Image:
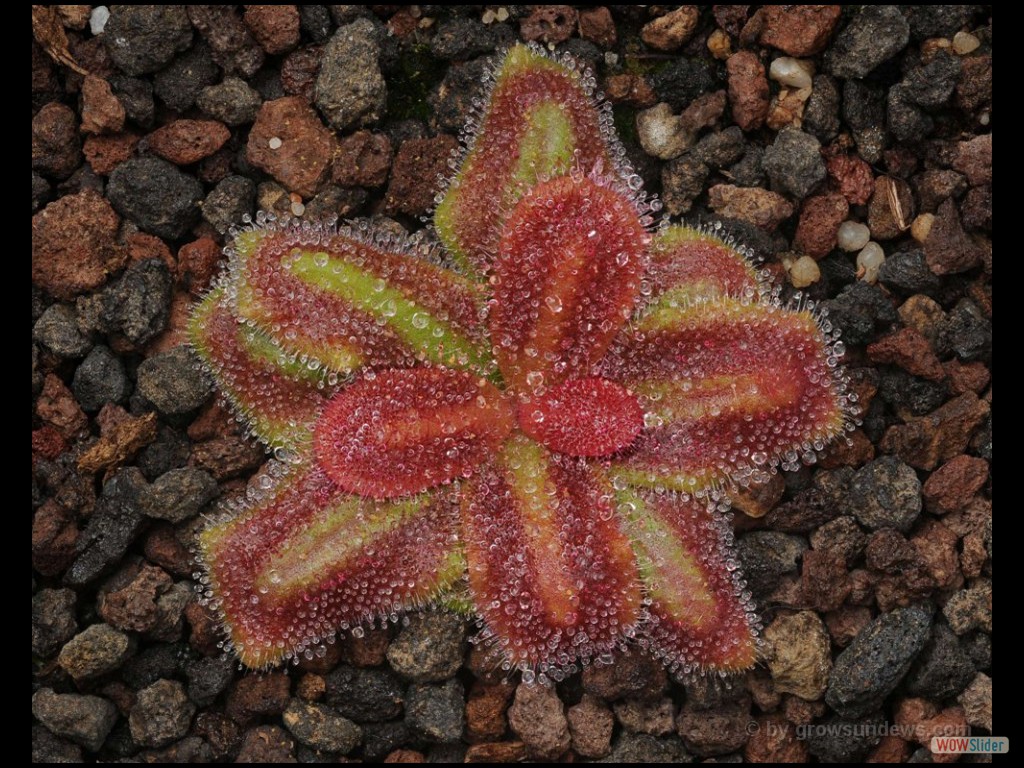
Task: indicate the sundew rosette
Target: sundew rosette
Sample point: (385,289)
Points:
(535,417)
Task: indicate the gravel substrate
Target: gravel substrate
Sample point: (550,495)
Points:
(849,146)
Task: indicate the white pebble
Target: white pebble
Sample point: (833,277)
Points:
(965,42)
(98,19)
(922,226)
(791,72)
(804,272)
(298,209)
(275,143)
(869,261)
(853,236)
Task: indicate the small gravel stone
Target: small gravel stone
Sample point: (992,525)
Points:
(319,728)
(907,272)
(47,748)
(162,714)
(793,162)
(113,526)
(266,744)
(671,31)
(885,493)
(233,46)
(86,720)
(418,165)
(429,648)
(100,379)
(365,695)
(860,311)
(232,102)
(436,712)
(633,674)
(350,88)
(799,655)
(462,38)
(768,556)
(718,730)
(136,96)
(874,35)
(759,207)
(53,620)
(871,667)
(184,142)
(845,739)
(179,84)
(275,27)
(680,81)
(232,198)
(172,382)
(748,90)
(970,609)
(56,146)
(682,180)
(208,677)
(143,38)
(57,330)
(156,195)
(537,717)
(138,305)
(977,702)
(656,718)
(289,142)
(590,727)
(95,651)
(799,30)
(853,236)
(869,261)
(791,72)
(178,495)
(967,332)
(943,669)
(633,748)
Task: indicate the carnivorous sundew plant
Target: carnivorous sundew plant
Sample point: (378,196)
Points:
(536,420)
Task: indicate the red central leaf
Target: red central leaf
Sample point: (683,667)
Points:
(566,279)
(583,417)
(403,431)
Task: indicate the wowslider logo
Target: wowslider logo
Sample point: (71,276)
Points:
(970,745)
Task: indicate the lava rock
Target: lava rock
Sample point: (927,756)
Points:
(871,667)
(799,655)
(907,272)
(111,529)
(47,748)
(537,717)
(232,101)
(57,330)
(967,332)
(136,96)
(768,556)
(56,145)
(430,648)
(232,198)
(885,493)
(462,38)
(874,35)
(633,748)
(845,739)
(350,88)
(943,669)
(319,728)
(178,495)
(821,113)
(180,83)
(100,379)
(436,712)
(156,195)
(208,677)
(793,162)
(86,720)
(143,38)
(365,695)
(173,382)
(53,620)
(861,310)
(95,651)
(682,80)
(139,304)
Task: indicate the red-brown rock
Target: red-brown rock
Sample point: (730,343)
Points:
(974,159)
(101,111)
(966,377)
(909,350)
(74,245)
(846,622)
(363,160)
(258,695)
(497,752)
(936,545)
(671,31)
(198,262)
(299,71)
(824,579)
(927,441)
(775,741)
(598,26)
(947,249)
(275,27)
(629,88)
(58,408)
(853,177)
(485,711)
(105,153)
(416,173)
(758,206)
(129,600)
(304,147)
(799,30)
(748,90)
(184,142)
(951,487)
(820,218)
(54,538)
(549,24)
